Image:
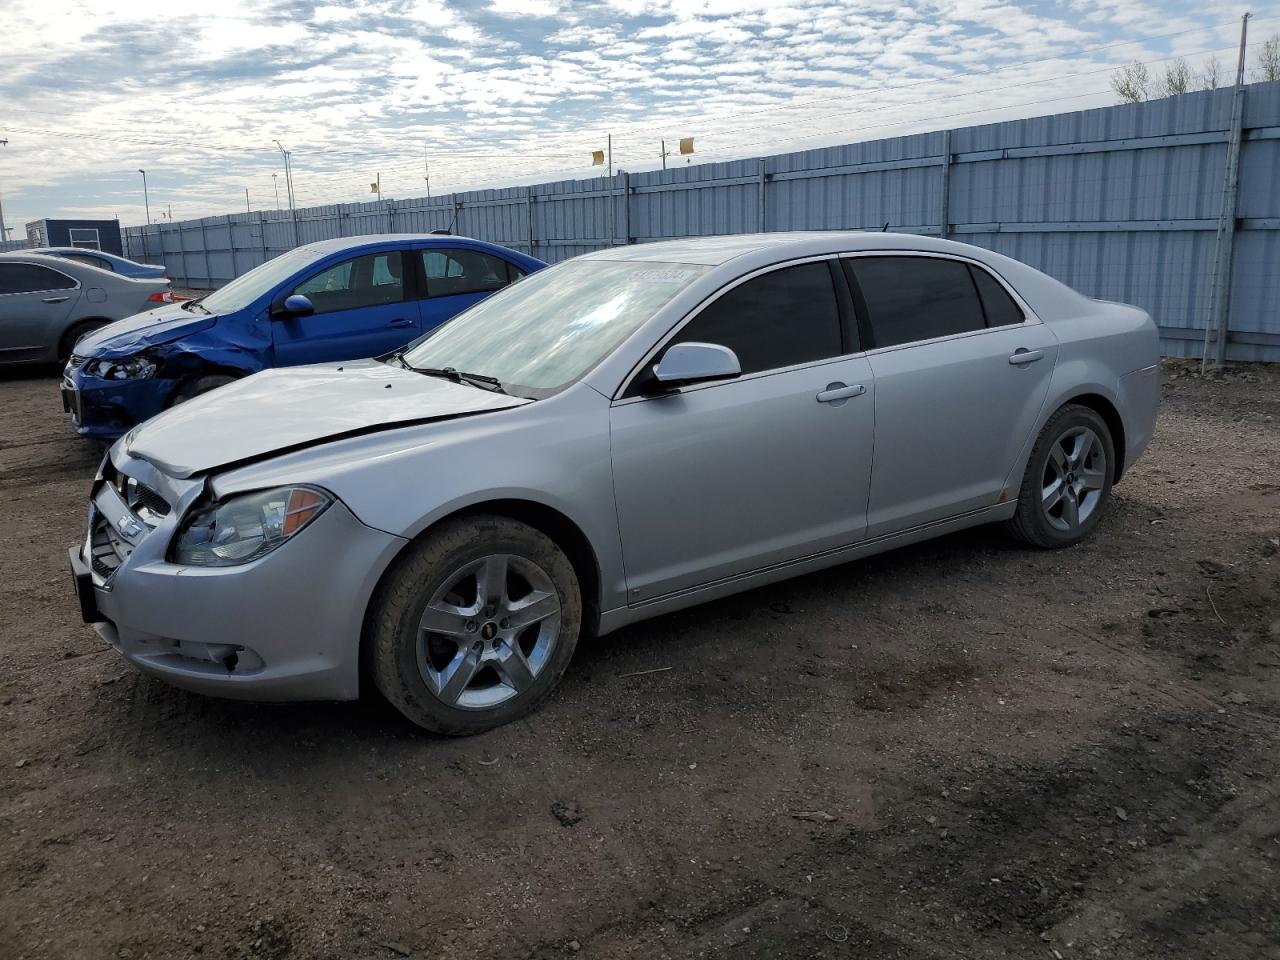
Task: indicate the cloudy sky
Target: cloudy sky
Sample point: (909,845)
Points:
(515,91)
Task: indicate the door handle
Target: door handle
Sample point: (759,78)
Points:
(838,391)
(55,300)
(1023,355)
(400,322)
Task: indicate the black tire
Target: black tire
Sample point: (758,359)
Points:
(1032,523)
(197,386)
(427,567)
(74,335)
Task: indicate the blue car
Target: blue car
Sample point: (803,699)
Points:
(334,300)
(107,261)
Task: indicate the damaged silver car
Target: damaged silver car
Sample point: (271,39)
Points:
(621,435)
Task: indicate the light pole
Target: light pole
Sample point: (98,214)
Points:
(288,185)
(275,183)
(145,199)
(288,175)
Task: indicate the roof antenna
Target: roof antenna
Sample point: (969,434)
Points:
(885,228)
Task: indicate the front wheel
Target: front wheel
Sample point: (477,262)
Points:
(1068,480)
(474,625)
(193,388)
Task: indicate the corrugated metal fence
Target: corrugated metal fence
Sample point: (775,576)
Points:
(8,245)
(1121,203)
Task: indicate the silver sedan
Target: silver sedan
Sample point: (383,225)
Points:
(48,303)
(622,435)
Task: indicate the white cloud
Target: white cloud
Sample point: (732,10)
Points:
(196,92)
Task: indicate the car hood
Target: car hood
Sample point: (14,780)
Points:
(278,411)
(126,337)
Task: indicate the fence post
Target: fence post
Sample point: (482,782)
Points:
(760,182)
(391,216)
(944,201)
(262,235)
(204,248)
(182,252)
(528,211)
(231,242)
(1215,330)
(626,208)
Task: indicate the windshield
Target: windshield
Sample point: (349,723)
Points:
(245,289)
(554,325)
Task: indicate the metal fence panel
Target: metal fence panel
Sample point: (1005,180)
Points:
(1119,202)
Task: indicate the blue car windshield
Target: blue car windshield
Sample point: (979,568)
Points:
(553,326)
(248,287)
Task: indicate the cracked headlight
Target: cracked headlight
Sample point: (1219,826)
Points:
(126,368)
(246,526)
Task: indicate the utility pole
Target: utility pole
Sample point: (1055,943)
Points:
(664,153)
(146,199)
(4,231)
(378,184)
(275,183)
(247,208)
(426,173)
(610,154)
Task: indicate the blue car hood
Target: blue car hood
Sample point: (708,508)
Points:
(126,337)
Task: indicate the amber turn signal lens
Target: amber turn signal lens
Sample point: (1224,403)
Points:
(303,505)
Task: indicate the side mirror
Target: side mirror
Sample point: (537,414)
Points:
(294,305)
(694,363)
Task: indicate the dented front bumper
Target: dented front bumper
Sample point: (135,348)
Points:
(284,627)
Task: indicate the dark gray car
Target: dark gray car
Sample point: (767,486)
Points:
(48,303)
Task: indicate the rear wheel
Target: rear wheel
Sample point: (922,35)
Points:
(1068,480)
(197,386)
(474,625)
(67,345)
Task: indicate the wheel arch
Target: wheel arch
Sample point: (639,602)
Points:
(563,531)
(64,348)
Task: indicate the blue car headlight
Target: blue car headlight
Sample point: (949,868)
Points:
(137,367)
(245,527)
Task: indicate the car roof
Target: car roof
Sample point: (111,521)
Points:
(712,251)
(47,259)
(371,239)
(84,250)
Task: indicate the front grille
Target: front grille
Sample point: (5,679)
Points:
(137,495)
(141,497)
(107,550)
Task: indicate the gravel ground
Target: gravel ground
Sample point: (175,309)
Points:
(960,749)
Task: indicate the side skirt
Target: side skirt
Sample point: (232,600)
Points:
(618,617)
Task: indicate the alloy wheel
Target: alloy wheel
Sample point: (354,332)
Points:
(1074,477)
(488,631)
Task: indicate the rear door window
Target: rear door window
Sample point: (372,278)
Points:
(908,299)
(31,278)
(451,271)
(368,281)
(778,319)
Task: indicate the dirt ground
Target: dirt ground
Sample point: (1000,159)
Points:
(961,749)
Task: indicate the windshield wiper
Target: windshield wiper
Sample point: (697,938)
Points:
(458,376)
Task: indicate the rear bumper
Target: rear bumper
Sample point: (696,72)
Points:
(1140,404)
